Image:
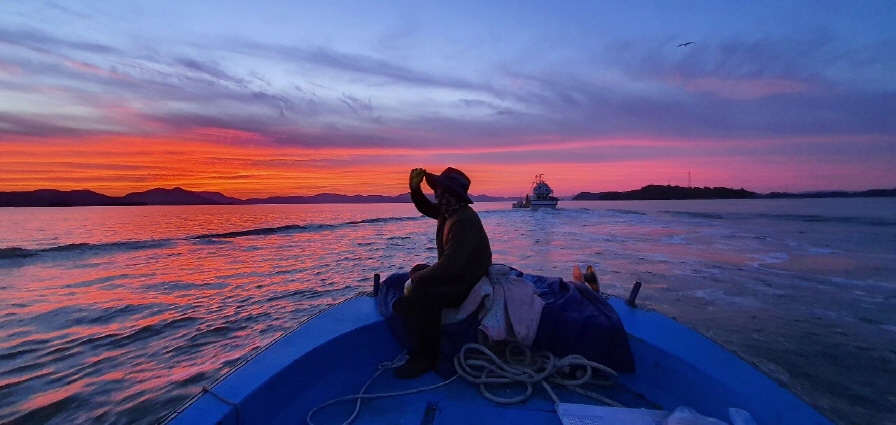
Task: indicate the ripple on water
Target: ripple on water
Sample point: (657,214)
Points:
(142,342)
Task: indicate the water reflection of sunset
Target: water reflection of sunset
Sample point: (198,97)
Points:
(117,318)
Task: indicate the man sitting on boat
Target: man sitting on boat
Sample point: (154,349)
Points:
(463,258)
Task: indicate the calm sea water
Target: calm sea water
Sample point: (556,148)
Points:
(120,314)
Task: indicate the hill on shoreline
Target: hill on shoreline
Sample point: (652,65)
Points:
(667,192)
(180,196)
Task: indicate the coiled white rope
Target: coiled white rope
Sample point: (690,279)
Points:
(479,365)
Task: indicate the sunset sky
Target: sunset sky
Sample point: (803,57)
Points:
(295,98)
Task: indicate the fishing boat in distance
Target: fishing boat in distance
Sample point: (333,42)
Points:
(542,195)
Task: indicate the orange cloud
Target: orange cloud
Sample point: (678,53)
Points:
(245,165)
(119,165)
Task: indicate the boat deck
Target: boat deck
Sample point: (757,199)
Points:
(337,354)
(458,402)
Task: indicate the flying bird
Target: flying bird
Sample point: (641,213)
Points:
(685,44)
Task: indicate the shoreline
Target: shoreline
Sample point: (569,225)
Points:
(52,198)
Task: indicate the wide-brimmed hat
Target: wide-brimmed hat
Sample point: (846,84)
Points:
(452,180)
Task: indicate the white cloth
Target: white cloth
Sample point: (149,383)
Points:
(508,307)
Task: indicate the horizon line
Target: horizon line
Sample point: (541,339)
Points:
(471,194)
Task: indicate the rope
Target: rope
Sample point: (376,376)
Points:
(382,367)
(479,365)
(236,407)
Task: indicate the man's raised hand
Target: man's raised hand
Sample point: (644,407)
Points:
(416,177)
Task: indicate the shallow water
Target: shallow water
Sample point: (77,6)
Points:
(120,314)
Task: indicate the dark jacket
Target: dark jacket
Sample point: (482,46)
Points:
(464,253)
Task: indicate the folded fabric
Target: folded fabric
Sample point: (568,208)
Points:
(515,311)
(508,307)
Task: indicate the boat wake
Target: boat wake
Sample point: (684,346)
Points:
(15,252)
(299,228)
(60,251)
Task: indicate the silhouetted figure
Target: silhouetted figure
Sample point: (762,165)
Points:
(464,256)
(685,44)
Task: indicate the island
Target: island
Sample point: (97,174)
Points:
(668,192)
(181,196)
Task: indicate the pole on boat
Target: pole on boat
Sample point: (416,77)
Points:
(634,294)
(376,284)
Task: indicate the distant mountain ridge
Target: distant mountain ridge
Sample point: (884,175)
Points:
(176,196)
(668,192)
(87,198)
(181,196)
(57,198)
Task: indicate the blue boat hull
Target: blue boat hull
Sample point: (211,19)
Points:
(335,353)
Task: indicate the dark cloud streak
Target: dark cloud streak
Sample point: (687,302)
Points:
(36,126)
(211,70)
(41,42)
(787,87)
(363,65)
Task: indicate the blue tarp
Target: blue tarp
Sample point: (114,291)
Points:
(577,320)
(574,320)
